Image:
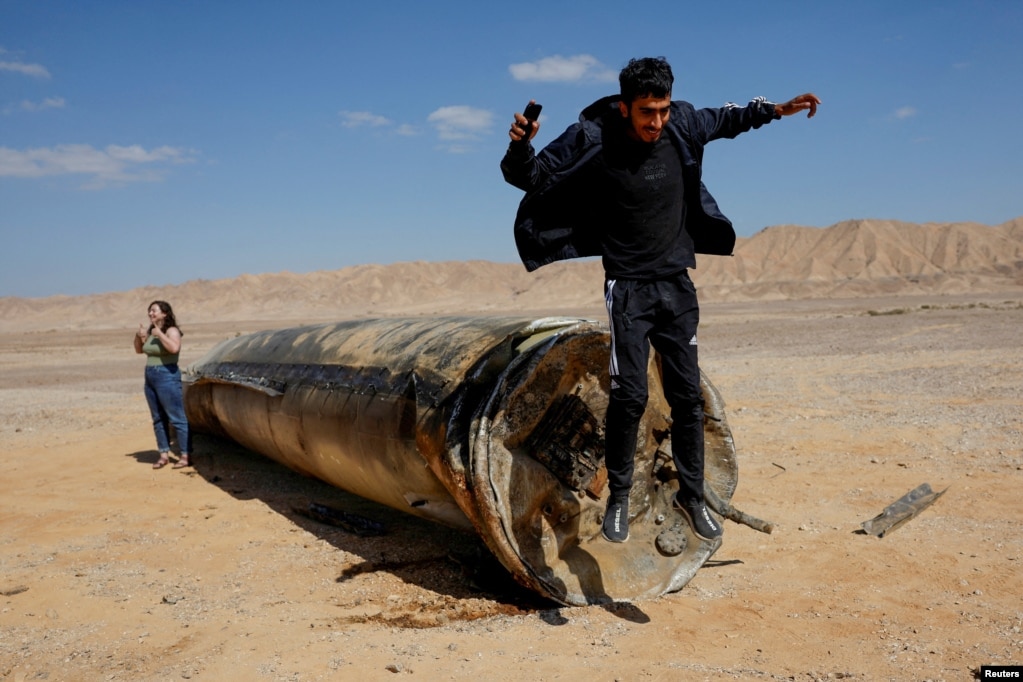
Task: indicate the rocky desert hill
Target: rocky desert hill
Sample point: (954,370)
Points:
(867,258)
(855,258)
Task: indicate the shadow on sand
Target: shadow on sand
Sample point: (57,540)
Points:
(422,553)
(432,556)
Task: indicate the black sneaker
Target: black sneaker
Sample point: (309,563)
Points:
(616,520)
(699,519)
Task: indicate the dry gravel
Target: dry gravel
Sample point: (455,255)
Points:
(112,571)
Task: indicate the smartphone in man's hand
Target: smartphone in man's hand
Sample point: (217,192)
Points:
(532,112)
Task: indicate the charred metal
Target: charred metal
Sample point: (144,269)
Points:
(492,425)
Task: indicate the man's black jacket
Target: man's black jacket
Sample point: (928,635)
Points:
(559,218)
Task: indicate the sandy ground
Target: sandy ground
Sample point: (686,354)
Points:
(110,570)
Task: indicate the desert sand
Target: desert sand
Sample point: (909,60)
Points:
(848,383)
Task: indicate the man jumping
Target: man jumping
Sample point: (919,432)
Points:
(625,183)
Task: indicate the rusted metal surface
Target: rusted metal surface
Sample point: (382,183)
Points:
(493,425)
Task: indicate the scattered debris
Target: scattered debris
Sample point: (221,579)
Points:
(902,510)
(732,514)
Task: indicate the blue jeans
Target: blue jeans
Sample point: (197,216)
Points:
(163,393)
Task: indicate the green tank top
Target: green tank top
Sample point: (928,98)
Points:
(156,354)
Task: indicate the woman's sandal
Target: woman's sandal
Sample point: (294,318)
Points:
(162,462)
(182,463)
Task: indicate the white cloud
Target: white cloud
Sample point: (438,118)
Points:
(460,122)
(136,154)
(113,164)
(356,119)
(28,105)
(367,119)
(558,69)
(35,70)
(458,126)
(370,120)
(905,112)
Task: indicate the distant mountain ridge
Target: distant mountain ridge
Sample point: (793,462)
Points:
(866,257)
(850,259)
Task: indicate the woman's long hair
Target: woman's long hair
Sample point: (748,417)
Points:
(169,321)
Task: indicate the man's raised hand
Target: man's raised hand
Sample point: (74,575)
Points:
(807,102)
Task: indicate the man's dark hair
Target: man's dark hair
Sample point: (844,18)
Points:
(646,77)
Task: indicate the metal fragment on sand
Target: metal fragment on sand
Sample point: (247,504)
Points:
(902,510)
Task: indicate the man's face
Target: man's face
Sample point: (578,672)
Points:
(646,117)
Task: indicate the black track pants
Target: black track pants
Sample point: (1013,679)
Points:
(663,314)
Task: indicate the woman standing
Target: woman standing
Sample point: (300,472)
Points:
(160,341)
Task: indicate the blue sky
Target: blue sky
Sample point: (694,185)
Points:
(151,143)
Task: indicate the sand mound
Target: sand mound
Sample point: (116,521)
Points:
(856,258)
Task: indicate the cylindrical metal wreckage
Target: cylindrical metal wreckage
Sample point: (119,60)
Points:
(493,425)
